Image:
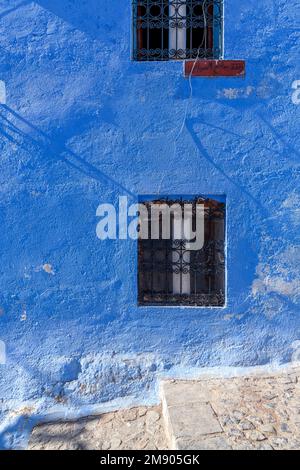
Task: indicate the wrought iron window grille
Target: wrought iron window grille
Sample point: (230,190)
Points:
(171,275)
(177,29)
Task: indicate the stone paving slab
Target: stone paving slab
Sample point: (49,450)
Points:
(212,443)
(193,420)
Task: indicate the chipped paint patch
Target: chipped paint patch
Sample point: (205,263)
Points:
(291,207)
(282,278)
(48,269)
(235,93)
(23,411)
(2,353)
(2,92)
(279,285)
(24,314)
(296,354)
(232,316)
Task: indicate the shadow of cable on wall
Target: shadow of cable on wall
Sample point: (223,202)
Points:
(266,217)
(57,150)
(13,9)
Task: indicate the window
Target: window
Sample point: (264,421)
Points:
(177,29)
(172,273)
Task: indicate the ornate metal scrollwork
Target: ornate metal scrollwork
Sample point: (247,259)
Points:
(177,29)
(171,274)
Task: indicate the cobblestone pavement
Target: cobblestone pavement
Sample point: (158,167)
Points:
(253,412)
(261,412)
(136,428)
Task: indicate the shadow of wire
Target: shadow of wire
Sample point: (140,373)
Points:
(57,150)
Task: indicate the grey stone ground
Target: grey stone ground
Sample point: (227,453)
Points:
(253,412)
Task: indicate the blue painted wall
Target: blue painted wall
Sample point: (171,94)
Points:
(83,125)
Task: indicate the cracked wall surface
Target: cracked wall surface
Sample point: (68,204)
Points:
(81,125)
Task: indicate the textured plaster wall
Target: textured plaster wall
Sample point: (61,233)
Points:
(82,125)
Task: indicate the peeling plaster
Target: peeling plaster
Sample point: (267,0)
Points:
(232,316)
(236,93)
(2,92)
(283,277)
(291,208)
(2,353)
(296,353)
(48,269)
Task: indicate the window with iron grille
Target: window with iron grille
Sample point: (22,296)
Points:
(169,273)
(177,29)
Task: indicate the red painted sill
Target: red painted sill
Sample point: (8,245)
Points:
(214,68)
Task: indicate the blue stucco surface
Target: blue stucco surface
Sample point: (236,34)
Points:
(83,125)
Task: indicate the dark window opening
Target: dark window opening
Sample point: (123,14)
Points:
(171,274)
(177,29)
